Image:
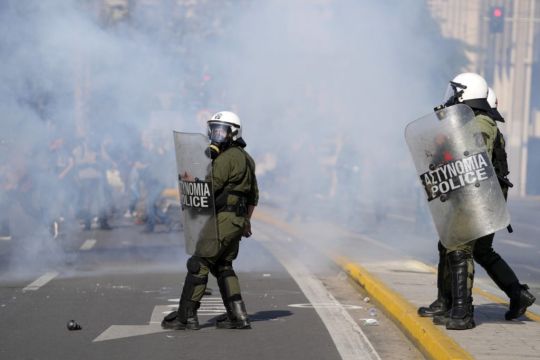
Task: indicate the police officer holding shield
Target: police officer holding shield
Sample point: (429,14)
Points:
(453,150)
(457,312)
(214,223)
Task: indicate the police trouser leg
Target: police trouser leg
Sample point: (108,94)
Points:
(498,270)
(503,275)
(462,273)
(221,273)
(229,287)
(444,295)
(190,300)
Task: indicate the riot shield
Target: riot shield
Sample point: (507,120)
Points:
(194,168)
(454,167)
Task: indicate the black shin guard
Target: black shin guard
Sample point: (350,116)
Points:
(236,316)
(186,316)
(462,312)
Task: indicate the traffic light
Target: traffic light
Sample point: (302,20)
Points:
(496,19)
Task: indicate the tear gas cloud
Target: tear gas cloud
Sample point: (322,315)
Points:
(324,89)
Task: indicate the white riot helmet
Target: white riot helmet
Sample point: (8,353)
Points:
(492,98)
(494,103)
(469,88)
(226,119)
(224,128)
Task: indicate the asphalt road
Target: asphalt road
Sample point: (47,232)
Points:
(119,284)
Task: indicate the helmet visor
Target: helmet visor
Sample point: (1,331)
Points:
(219,132)
(453,93)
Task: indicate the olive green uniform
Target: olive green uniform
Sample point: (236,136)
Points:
(235,188)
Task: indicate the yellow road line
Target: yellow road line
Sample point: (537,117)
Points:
(429,339)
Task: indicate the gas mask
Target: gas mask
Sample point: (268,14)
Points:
(220,136)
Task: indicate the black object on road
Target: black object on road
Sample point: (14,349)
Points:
(72,325)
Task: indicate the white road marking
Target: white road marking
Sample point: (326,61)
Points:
(208,308)
(204,300)
(516,243)
(88,244)
(325,305)
(124,331)
(211,306)
(350,340)
(40,281)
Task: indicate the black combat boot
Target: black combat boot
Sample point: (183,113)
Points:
(184,318)
(236,317)
(520,300)
(442,319)
(462,312)
(437,308)
(444,293)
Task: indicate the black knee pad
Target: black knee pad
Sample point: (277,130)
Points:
(194,264)
(193,279)
(225,273)
(224,269)
(191,283)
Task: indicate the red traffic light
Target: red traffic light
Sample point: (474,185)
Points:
(497,12)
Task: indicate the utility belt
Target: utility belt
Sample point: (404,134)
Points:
(240,208)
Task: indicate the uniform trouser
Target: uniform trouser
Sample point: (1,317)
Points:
(498,270)
(230,232)
(484,254)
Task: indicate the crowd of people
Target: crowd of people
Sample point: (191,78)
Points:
(90,179)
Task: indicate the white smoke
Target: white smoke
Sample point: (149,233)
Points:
(324,89)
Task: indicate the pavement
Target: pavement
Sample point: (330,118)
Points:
(314,289)
(400,283)
(119,284)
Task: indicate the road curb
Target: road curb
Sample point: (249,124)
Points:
(432,341)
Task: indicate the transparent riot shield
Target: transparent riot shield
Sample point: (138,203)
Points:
(454,168)
(194,168)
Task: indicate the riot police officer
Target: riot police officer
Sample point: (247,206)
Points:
(453,306)
(235,195)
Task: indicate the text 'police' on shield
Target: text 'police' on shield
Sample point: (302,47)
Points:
(195,194)
(457,174)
